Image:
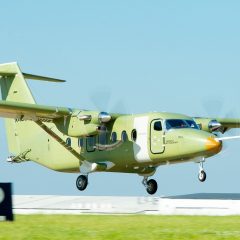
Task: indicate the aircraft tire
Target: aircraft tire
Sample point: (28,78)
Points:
(81,182)
(202,176)
(151,186)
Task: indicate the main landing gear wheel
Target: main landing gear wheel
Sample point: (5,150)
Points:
(202,176)
(150,185)
(82,182)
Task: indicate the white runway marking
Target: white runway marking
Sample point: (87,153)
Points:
(183,205)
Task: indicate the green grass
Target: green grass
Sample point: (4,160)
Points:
(120,227)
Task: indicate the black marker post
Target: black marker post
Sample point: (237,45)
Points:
(6,212)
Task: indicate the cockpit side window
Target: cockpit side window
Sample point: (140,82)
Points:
(180,123)
(176,123)
(192,124)
(157,126)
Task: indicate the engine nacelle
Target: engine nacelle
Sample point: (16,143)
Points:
(209,125)
(83,123)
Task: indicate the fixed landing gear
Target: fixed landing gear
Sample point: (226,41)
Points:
(82,182)
(150,185)
(202,174)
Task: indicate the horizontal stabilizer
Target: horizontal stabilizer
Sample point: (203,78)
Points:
(41,78)
(11,69)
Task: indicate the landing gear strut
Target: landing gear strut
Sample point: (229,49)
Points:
(82,182)
(202,174)
(150,185)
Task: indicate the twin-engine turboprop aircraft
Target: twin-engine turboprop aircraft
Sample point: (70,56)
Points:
(76,140)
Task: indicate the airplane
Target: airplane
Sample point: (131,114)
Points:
(85,141)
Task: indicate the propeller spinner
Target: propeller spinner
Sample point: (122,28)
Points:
(215,126)
(104,117)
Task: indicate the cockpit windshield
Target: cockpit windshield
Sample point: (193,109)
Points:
(180,123)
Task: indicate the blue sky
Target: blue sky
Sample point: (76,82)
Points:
(177,56)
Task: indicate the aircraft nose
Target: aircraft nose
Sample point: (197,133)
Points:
(213,145)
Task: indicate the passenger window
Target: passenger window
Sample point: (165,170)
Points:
(157,126)
(124,136)
(80,142)
(91,141)
(134,135)
(68,142)
(102,138)
(114,137)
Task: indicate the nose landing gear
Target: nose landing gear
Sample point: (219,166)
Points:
(202,174)
(150,185)
(82,182)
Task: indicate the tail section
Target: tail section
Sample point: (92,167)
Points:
(26,140)
(14,88)
(13,85)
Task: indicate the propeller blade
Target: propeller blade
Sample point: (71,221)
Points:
(213,108)
(101,98)
(228,138)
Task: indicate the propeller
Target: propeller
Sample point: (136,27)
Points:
(225,147)
(227,138)
(217,108)
(101,98)
(214,108)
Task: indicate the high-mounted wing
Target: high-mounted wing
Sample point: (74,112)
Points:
(229,123)
(218,124)
(27,111)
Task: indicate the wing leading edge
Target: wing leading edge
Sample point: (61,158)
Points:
(229,123)
(27,111)
(217,124)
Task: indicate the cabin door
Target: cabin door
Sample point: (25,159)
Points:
(156,137)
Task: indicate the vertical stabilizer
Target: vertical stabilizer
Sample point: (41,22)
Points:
(13,85)
(14,88)
(28,139)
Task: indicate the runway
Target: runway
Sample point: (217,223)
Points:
(193,204)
